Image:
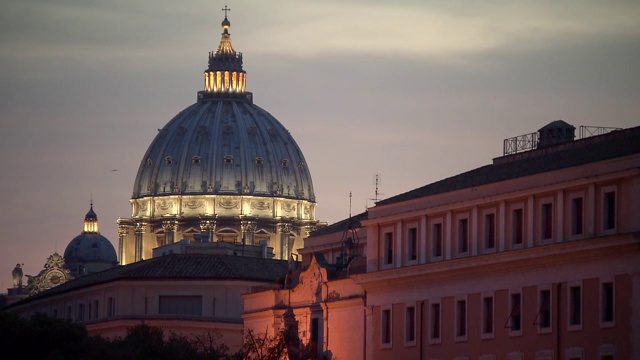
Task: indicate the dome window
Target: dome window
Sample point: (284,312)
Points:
(169,160)
(301,165)
(149,162)
(259,161)
(228,160)
(285,163)
(196,160)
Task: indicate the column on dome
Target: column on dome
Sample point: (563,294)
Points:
(248,232)
(123,231)
(169,228)
(139,231)
(283,246)
(207,230)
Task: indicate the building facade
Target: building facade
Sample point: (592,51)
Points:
(535,256)
(189,294)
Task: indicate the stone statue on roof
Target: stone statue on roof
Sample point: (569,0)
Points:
(17,276)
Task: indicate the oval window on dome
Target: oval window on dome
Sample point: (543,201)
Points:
(259,161)
(285,162)
(196,160)
(149,162)
(169,160)
(228,160)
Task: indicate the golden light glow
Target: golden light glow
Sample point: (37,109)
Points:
(225,82)
(91,226)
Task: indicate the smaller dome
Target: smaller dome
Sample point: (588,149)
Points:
(90,248)
(89,252)
(226,23)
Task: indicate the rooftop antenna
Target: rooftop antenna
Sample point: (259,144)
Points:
(377,182)
(349,241)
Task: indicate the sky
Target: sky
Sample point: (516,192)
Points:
(409,93)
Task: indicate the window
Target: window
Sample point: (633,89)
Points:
(461,319)
(196,160)
(410,325)
(80,315)
(607,315)
(515,314)
(546,217)
(544,310)
(169,160)
(463,236)
(437,240)
(577,216)
(574,353)
(315,327)
(575,307)
(487,316)
(228,160)
(180,305)
(111,307)
(434,323)
(412,244)
(95,309)
(607,351)
(388,248)
(517,227)
(609,210)
(490,231)
(385,329)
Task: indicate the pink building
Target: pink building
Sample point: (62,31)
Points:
(188,294)
(532,257)
(535,256)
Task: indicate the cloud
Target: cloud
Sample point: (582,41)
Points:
(442,31)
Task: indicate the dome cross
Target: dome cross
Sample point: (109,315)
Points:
(225,9)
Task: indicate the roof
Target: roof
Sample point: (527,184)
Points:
(180,267)
(340,226)
(224,147)
(574,153)
(224,144)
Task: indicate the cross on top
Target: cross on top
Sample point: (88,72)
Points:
(225,9)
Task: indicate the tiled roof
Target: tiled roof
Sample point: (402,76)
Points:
(341,226)
(579,152)
(181,267)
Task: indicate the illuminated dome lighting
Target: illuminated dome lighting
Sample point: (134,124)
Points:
(222,170)
(89,252)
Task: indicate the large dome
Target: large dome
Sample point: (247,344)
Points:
(223,172)
(224,146)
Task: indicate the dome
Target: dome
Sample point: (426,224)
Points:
(90,247)
(222,170)
(224,146)
(89,252)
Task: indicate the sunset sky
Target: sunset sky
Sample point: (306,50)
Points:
(415,91)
